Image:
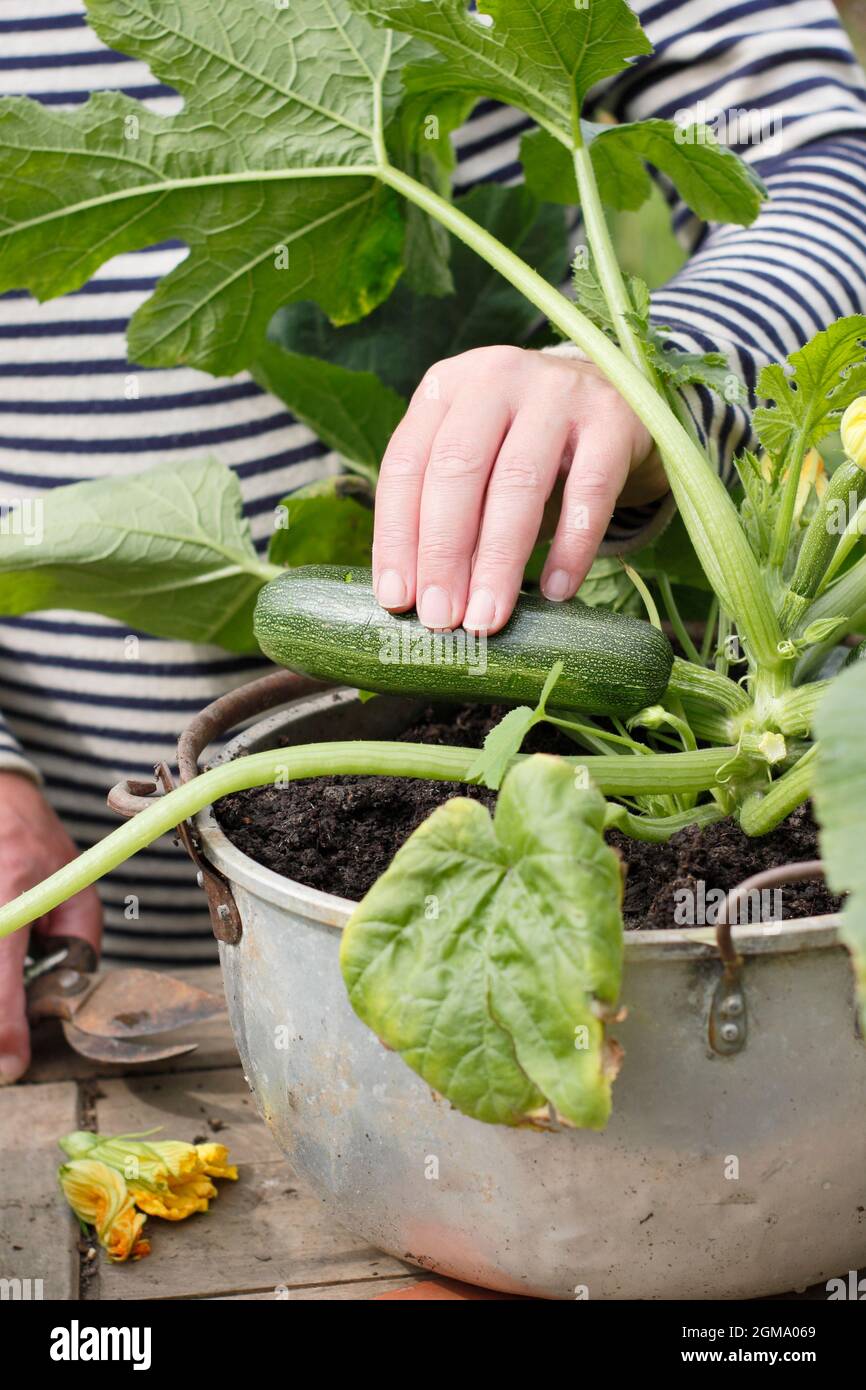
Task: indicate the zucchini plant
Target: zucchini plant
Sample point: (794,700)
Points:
(489,953)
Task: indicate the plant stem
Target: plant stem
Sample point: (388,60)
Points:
(676,621)
(847,597)
(701,685)
(658,829)
(763,811)
(611,773)
(592,732)
(785,515)
(709,631)
(847,541)
(819,543)
(707,510)
(606,263)
(643,589)
(795,710)
(726,629)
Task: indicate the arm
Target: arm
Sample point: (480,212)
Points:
(781,84)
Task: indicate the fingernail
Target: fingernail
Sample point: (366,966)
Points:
(11,1069)
(480,611)
(391,591)
(556,586)
(434,610)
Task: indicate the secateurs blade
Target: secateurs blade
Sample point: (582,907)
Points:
(105,1013)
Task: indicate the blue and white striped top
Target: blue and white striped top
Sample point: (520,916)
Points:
(80,713)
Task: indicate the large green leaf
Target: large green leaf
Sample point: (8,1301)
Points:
(710,178)
(351,411)
(167,551)
(420,143)
(266,173)
(813,393)
(543,56)
(839,794)
(403,338)
(487,950)
(539,55)
(325,523)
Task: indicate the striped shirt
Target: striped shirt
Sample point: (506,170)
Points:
(81,714)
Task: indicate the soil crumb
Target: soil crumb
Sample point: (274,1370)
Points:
(339,834)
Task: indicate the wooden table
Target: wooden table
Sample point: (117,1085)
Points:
(265,1237)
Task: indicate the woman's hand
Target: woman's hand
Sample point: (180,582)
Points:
(33,844)
(470,468)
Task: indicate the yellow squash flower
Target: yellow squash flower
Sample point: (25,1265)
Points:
(854,432)
(165,1177)
(99,1197)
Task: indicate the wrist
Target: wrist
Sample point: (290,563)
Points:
(647,482)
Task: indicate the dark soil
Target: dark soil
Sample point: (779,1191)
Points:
(340,833)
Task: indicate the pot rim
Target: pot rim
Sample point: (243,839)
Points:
(328,910)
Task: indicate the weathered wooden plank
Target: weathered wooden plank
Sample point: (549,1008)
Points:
(357,1291)
(38,1235)
(264,1234)
(195,1106)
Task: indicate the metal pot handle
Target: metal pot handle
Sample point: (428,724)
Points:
(129,797)
(728,1018)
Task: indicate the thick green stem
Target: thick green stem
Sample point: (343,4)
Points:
(796,709)
(612,774)
(606,263)
(658,829)
(712,703)
(763,811)
(707,510)
(700,685)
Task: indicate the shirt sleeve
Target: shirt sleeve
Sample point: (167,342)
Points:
(12,755)
(781,84)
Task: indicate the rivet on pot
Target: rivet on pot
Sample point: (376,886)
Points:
(199,878)
(728,1018)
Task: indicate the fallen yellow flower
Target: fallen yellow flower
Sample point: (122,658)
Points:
(166,1178)
(99,1197)
(168,1168)
(179,1202)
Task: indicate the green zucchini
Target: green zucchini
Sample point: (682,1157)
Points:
(324,620)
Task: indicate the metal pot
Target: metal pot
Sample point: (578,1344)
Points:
(735,1162)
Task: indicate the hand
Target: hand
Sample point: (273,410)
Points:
(470,468)
(33,844)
